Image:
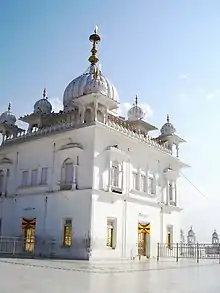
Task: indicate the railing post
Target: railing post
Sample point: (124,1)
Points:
(197,252)
(219,253)
(158,251)
(177,252)
(1,244)
(14,245)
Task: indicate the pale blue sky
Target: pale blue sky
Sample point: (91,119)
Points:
(166,51)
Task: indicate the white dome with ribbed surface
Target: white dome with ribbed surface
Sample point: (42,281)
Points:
(43,106)
(168,128)
(135,113)
(91,82)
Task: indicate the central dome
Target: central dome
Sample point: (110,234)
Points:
(90,82)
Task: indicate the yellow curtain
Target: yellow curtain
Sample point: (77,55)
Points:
(144,228)
(67,235)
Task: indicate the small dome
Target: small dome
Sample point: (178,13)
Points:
(191,233)
(43,105)
(135,113)
(215,234)
(90,82)
(7,117)
(167,128)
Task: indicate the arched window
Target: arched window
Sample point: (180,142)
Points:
(116,174)
(88,116)
(67,173)
(100,116)
(76,114)
(1,181)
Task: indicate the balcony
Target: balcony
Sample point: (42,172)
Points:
(66,185)
(116,189)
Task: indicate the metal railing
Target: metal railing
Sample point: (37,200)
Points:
(19,246)
(196,251)
(44,247)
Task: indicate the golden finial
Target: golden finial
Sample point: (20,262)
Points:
(44,93)
(9,106)
(96,29)
(136,100)
(96,73)
(94,38)
(168,118)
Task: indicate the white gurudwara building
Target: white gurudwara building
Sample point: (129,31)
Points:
(94,184)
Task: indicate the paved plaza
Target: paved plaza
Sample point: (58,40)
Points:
(20,275)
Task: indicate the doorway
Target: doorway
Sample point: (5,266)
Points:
(28,227)
(143,239)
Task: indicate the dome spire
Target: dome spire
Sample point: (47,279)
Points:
(168,118)
(136,101)
(94,38)
(44,93)
(9,106)
(135,113)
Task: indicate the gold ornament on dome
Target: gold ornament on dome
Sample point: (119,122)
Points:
(95,39)
(96,73)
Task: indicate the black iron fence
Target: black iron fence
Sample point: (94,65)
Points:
(196,251)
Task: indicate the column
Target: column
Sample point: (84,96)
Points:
(3,137)
(109,174)
(167,193)
(5,181)
(95,109)
(105,116)
(139,179)
(30,127)
(175,192)
(82,114)
(147,180)
(75,176)
(122,176)
(177,150)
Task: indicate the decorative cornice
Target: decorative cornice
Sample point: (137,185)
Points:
(71,145)
(55,129)
(142,138)
(47,131)
(5,160)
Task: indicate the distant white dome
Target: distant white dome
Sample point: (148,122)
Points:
(43,105)
(135,113)
(191,232)
(215,234)
(167,128)
(90,82)
(7,117)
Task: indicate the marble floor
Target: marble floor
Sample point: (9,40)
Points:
(68,276)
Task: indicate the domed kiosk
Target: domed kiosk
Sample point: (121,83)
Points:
(8,125)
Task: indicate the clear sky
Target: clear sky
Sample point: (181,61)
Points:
(165,51)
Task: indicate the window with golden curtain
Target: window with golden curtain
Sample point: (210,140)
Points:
(169,240)
(67,233)
(169,236)
(110,232)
